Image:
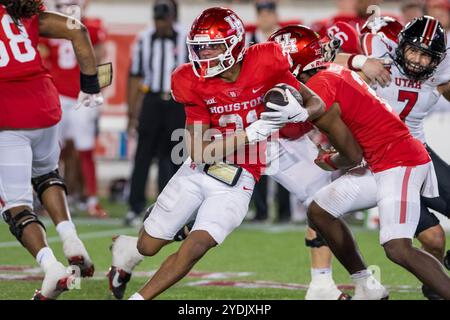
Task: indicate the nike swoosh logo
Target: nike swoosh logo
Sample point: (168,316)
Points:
(256,90)
(290,118)
(247,189)
(115,282)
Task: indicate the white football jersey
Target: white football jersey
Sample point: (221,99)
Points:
(412,100)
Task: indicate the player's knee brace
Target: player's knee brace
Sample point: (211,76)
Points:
(20,221)
(184,231)
(317,242)
(42,183)
(148,211)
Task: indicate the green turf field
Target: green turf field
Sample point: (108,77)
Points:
(255,262)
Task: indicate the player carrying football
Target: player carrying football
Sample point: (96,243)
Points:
(222,88)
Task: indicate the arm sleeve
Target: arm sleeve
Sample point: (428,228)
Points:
(322,86)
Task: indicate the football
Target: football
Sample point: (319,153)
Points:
(277,95)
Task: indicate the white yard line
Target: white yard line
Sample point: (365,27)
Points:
(83,236)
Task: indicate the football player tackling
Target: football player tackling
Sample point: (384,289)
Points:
(402,168)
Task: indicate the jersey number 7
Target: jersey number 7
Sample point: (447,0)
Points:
(411,98)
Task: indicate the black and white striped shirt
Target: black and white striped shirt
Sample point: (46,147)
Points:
(154,58)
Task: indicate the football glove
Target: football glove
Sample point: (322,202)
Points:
(260,130)
(89,100)
(293,112)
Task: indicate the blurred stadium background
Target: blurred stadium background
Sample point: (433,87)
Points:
(259,261)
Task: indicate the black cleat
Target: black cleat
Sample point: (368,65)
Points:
(344,296)
(118,280)
(430,294)
(447,260)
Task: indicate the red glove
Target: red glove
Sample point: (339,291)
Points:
(324,161)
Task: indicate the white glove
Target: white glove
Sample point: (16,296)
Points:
(89,100)
(292,112)
(261,129)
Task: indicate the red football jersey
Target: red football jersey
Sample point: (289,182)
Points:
(294,131)
(321,26)
(28,97)
(62,61)
(233,106)
(384,138)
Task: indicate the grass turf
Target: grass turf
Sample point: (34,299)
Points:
(268,253)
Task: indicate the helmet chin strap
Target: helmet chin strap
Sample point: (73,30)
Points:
(295,72)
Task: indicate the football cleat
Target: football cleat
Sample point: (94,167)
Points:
(371,290)
(97,211)
(329,292)
(118,280)
(447,260)
(125,257)
(132,220)
(430,294)
(87,268)
(57,280)
(77,255)
(345,296)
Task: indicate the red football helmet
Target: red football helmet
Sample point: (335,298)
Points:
(384,26)
(347,36)
(303,45)
(212,28)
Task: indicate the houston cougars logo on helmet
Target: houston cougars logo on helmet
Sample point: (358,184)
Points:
(216,30)
(288,44)
(303,45)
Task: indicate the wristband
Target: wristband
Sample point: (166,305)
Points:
(89,83)
(356,62)
(327,159)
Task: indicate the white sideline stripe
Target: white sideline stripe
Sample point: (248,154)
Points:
(89,221)
(83,236)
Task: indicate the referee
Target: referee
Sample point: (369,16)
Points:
(153,115)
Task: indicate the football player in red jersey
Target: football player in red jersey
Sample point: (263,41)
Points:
(402,168)
(222,89)
(29,150)
(77,128)
(422,87)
